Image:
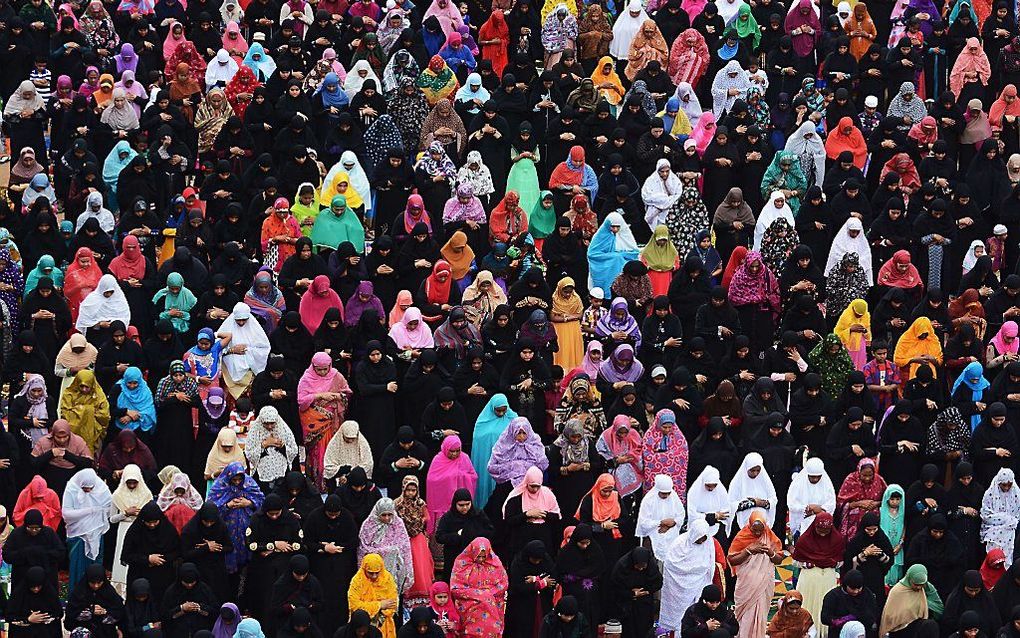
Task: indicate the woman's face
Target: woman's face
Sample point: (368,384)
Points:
(375,356)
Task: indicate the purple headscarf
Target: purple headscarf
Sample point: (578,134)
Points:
(621,365)
(36,407)
(226,630)
(511,458)
(127,59)
(355,306)
(454,210)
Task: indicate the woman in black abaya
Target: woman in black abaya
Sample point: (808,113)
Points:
(188,588)
(273,524)
(331,539)
(33,596)
(872,566)
(199,537)
(151,534)
(580,565)
(963,507)
(93,592)
(375,381)
(970,594)
(527,602)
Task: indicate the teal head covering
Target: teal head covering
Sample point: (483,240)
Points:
(338,225)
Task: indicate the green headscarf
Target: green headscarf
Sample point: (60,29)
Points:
(542,221)
(332,229)
(834,368)
(34,275)
(302,212)
(918,575)
(748,28)
(183,300)
(794,180)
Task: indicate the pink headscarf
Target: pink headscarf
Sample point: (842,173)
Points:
(445,477)
(421,337)
(1008,329)
(312,383)
(631,444)
(543,500)
(239,43)
(170,43)
(704,131)
(316,301)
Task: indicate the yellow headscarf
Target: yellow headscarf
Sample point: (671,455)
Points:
(855,313)
(660,258)
(460,260)
(354,198)
(910,347)
(571,305)
(87,412)
(365,593)
(598,77)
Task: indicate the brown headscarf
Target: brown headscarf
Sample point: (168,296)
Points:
(734,208)
(724,402)
(788,623)
(75,445)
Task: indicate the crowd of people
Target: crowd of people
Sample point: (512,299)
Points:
(531,319)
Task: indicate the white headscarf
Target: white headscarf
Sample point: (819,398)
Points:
(799,144)
(340,453)
(354,82)
(625,28)
(803,493)
(687,567)
(728,10)
(743,487)
(659,195)
(625,237)
(269,463)
(94,208)
(97,307)
(87,514)
(769,213)
(221,69)
(970,259)
(843,243)
(722,83)
(654,509)
(1000,512)
(701,501)
(251,335)
(689,102)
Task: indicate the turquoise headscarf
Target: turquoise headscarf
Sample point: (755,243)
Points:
(488,427)
(114,164)
(917,574)
(183,300)
(139,399)
(264,67)
(332,229)
(894,528)
(46,263)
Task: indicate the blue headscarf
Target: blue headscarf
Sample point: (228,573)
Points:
(114,164)
(338,98)
(609,252)
(204,362)
(264,67)
(138,399)
(973,377)
(488,427)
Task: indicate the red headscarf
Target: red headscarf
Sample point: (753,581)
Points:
(603,508)
(993,568)
(130,263)
(316,301)
(244,81)
(818,549)
(38,496)
(902,165)
(890,275)
(438,292)
(847,137)
(416,202)
(495,28)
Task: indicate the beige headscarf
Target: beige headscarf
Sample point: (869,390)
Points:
(125,497)
(71,359)
(218,459)
(340,453)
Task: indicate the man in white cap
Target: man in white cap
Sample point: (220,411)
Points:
(594,312)
(811,492)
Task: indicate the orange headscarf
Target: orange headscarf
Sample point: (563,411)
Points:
(459,254)
(746,538)
(603,508)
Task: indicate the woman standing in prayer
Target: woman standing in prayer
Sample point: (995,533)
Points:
(860,493)
(238,497)
(621,446)
(753,555)
(86,409)
(479,585)
(385,534)
(411,509)
(688,566)
(86,511)
(567,309)
(450,470)
(664,451)
(1000,512)
(248,352)
(322,395)
(127,501)
(818,550)
(495,417)
(911,599)
(517,448)
(373,592)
